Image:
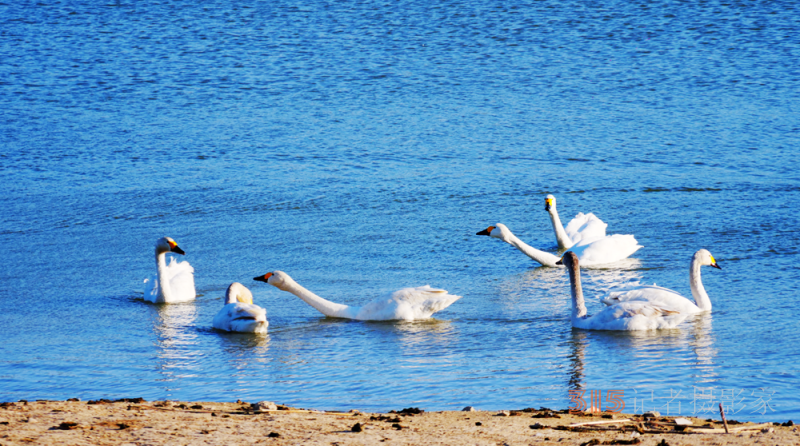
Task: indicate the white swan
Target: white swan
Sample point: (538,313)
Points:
(665,296)
(606,250)
(407,304)
(625,316)
(584,227)
(174,282)
(239,313)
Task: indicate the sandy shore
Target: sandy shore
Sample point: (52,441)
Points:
(138,422)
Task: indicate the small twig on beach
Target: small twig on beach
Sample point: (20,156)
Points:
(724,422)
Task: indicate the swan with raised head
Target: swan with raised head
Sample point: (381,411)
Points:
(603,251)
(660,295)
(624,316)
(584,227)
(174,282)
(407,304)
(239,313)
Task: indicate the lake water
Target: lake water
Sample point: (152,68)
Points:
(359,146)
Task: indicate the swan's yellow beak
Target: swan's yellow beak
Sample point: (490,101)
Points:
(264,278)
(547,203)
(486,231)
(714,263)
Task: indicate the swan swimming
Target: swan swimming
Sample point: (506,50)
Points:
(173,282)
(624,316)
(584,227)
(659,295)
(239,313)
(407,304)
(606,250)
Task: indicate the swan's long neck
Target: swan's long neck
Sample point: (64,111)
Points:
(564,242)
(324,306)
(238,293)
(698,291)
(578,304)
(545,258)
(164,288)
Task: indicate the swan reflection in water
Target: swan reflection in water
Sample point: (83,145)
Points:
(645,363)
(577,345)
(701,340)
(176,339)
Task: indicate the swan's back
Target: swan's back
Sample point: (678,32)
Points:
(585,227)
(407,304)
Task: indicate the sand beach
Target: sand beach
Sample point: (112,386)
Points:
(138,422)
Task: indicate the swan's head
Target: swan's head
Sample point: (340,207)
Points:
(569,260)
(549,203)
(498,231)
(278,279)
(706,258)
(166,244)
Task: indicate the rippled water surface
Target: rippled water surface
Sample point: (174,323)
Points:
(359,146)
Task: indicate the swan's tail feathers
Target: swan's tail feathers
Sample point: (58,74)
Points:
(585,227)
(241,317)
(151,289)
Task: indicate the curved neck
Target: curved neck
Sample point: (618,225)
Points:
(564,242)
(324,306)
(545,258)
(578,305)
(164,289)
(698,291)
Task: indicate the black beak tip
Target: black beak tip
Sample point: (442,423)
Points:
(484,232)
(559,262)
(259,278)
(547,207)
(178,250)
(716,266)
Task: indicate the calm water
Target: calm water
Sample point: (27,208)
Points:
(359,146)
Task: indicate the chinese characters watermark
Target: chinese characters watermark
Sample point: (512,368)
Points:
(700,400)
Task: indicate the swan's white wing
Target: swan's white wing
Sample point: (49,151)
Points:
(181,280)
(609,249)
(585,228)
(634,315)
(655,295)
(241,317)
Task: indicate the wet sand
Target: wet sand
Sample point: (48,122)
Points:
(139,422)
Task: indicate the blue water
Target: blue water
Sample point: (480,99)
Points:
(359,146)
